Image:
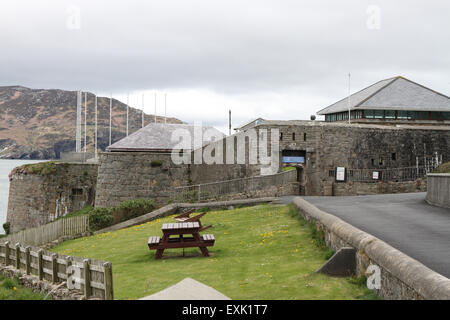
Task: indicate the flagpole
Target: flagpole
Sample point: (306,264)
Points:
(110,118)
(142,110)
(85,120)
(349,113)
(128,102)
(96,126)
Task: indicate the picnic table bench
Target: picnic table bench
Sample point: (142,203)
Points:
(180,229)
(185,217)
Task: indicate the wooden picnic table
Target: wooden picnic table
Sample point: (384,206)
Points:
(186,217)
(180,229)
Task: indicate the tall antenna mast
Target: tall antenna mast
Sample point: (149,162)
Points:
(128,102)
(95,126)
(110,118)
(85,120)
(349,113)
(78,123)
(142,110)
(155,107)
(165,107)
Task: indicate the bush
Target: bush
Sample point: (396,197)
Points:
(7,227)
(156,163)
(100,218)
(443,168)
(132,208)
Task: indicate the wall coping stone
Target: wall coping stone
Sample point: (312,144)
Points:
(174,207)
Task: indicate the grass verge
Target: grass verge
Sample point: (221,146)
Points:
(261,252)
(10,289)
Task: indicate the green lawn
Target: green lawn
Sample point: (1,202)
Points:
(10,289)
(261,252)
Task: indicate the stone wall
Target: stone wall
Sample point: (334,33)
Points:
(54,291)
(131,175)
(135,175)
(362,188)
(401,277)
(360,146)
(37,199)
(438,193)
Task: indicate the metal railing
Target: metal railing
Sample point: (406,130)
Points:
(392,174)
(213,190)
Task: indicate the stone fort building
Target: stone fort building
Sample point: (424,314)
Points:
(399,130)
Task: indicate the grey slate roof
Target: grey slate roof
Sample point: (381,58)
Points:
(396,93)
(158,137)
(249,124)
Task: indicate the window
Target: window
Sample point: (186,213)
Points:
(378,114)
(394,156)
(369,114)
(281,136)
(446,115)
(293,136)
(77,191)
(402,115)
(304,136)
(389,114)
(372,161)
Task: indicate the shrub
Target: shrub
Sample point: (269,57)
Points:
(7,227)
(443,168)
(132,208)
(156,163)
(9,283)
(100,218)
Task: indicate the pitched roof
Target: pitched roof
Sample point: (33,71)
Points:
(253,122)
(158,137)
(396,93)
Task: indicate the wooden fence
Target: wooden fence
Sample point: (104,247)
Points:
(92,277)
(49,232)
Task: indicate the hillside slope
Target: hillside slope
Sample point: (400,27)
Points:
(40,123)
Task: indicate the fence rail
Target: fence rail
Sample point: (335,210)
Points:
(213,190)
(49,232)
(92,277)
(393,174)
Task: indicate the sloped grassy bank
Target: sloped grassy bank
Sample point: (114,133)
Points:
(261,252)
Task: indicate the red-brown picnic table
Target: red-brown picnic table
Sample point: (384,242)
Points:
(185,217)
(180,229)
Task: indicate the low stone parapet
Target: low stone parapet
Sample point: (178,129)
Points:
(400,276)
(438,193)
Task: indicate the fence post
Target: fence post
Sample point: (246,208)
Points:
(18,256)
(7,253)
(87,278)
(40,265)
(68,274)
(54,268)
(109,292)
(199,191)
(27,260)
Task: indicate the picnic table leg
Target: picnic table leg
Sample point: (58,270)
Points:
(159,253)
(204,250)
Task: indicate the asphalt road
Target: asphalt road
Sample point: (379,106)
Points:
(405,221)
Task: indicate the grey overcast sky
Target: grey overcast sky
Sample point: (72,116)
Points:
(272,59)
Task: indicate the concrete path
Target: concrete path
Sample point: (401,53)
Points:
(187,289)
(405,221)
